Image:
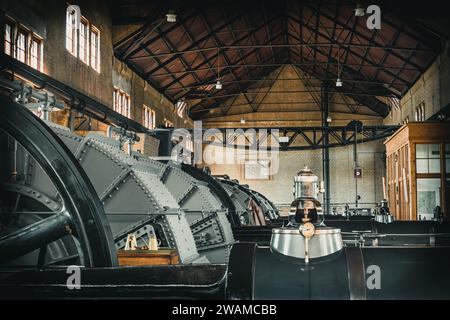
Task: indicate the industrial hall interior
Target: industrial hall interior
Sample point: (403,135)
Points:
(177,149)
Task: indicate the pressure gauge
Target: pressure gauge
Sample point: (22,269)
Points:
(307,230)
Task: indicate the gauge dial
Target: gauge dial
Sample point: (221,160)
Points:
(307,229)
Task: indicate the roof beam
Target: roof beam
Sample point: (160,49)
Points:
(368,39)
(218,44)
(221,51)
(373,104)
(196,43)
(143,44)
(352,52)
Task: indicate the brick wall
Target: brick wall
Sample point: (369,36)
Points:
(432,89)
(279,187)
(47,18)
(142,93)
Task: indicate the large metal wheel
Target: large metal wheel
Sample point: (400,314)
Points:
(74,218)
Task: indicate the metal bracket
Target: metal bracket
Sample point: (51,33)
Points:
(185,196)
(206,239)
(114,186)
(164,173)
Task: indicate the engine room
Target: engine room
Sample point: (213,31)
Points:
(168,187)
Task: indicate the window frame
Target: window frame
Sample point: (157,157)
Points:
(36,43)
(12,27)
(181,107)
(148,117)
(168,123)
(94,48)
(83,41)
(443,175)
(72,30)
(21,32)
(122,102)
(428,158)
(22,43)
(419,112)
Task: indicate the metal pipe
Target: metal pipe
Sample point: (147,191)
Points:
(129,135)
(30,91)
(35,236)
(109,131)
(129,147)
(77,99)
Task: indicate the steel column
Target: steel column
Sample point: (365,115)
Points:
(325,150)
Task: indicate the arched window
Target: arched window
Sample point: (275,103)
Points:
(419,112)
(406,120)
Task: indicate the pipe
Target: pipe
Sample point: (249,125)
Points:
(129,147)
(30,91)
(96,109)
(34,236)
(129,135)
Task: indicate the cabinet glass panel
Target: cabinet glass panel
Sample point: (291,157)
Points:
(428,197)
(428,158)
(434,165)
(421,151)
(422,165)
(434,151)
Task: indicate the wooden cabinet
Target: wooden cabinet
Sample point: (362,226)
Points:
(418,170)
(148,257)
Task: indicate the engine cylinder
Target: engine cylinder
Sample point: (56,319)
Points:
(355,273)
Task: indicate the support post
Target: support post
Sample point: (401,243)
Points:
(355,158)
(325,150)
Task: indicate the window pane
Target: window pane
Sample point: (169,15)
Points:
(119,102)
(71,33)
(428,158)
(21,47)
(8,39)
(35,54)
(95,49)
(428,197)
(124,105)
(447,151)
(114,100)
(148,117)
(447,165)
(435,166)
(422,165)
(434,151)
(84,44)
(421,151)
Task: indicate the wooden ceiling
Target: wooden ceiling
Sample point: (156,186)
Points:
(243,42)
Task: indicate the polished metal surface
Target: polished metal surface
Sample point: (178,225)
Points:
(356,274)
(306,184)
(384,218)
(289,242)
(306,204)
